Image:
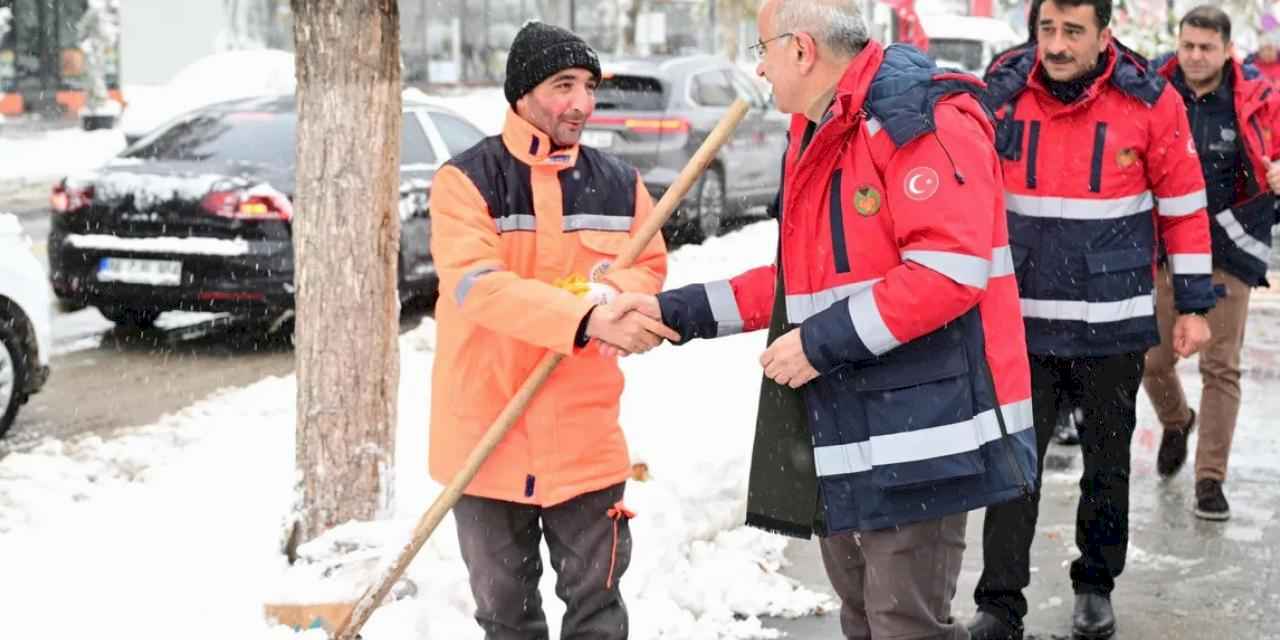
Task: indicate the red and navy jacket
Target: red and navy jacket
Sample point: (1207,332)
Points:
(1242,232)
(896,269)
(1088,185)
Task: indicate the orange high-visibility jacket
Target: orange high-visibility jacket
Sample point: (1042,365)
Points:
(510,217)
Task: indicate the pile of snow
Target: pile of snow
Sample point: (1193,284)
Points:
(173,530)
(9,224)
(228,75)
(52,155)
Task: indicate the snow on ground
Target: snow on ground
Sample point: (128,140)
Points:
(54,154)
(173,529)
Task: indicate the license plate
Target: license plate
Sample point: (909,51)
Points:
(153,272)
(597,139)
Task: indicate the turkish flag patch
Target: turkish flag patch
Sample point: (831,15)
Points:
(921,183)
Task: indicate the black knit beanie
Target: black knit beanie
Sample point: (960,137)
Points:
(541,50)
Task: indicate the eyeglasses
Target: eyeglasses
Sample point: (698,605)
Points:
(758,49)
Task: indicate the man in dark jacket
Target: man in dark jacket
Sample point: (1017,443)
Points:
(897,394)
(1094,145)
(1234,115)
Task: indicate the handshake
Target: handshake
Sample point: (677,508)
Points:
(628,323)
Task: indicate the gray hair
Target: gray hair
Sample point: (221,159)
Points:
(837,24)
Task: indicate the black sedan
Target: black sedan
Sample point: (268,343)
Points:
(197,215)
(655,112)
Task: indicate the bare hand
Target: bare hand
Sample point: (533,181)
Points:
(785,363)
(641,302)
(1190,333)
(1273,177)
(626,332)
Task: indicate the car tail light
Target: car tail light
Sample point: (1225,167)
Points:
(647,126)
(239,205)
(64,199)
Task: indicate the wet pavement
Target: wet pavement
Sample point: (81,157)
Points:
(1185,578)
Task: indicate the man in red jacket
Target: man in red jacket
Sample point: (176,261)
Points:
(1234,116)
(897,396)
(1098,163)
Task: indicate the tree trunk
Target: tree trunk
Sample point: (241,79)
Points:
(346,240)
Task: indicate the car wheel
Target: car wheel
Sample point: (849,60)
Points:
(13,376)
(130,316)
(704,216)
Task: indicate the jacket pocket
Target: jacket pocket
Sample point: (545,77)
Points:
(1118,293)
(920,413)
(1021,270)
(1009,137)
(609,243)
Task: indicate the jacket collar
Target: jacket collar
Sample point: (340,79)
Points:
(1248,92)
(1091,93)
(533,147)
(851,91)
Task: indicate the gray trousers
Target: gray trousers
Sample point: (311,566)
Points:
(898,583)
(590,550)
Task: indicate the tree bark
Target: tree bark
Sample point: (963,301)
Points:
(346,239)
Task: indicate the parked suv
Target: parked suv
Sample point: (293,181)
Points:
(26,309)
(655,112)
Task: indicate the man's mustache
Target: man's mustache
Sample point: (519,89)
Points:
(1058,58)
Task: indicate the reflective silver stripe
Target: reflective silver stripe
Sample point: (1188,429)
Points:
(468,280)
(596,222)
(869,324)
(1241,238)
(1078,208)
(802,306)
(1001,262)
(516,222)
(724,308)
(1091,312)
(873,126)
(968,270)
(1183,205)
(922,444)
(1189,264)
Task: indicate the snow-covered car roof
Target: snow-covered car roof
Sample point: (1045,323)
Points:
(214,78)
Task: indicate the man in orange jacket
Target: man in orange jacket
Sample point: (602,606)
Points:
(521,222)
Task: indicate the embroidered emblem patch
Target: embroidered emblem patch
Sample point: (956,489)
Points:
(866,201)
(921,183)
(1125,158)
(597,271)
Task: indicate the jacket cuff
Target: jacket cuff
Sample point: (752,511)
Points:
(829,339)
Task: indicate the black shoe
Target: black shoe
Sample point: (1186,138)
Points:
(1093,618)
(1173,448)
(1065,430)
(987,626)
(1210,503)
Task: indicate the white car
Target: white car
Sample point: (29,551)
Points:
(967,42)
(228,75)
(26,318)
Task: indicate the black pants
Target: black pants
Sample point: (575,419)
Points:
(589,550)
(1107,388)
